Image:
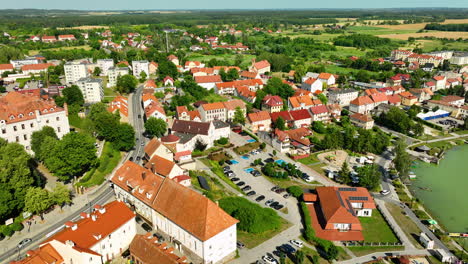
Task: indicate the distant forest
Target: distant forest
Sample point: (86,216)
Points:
(68,18)
(447,27)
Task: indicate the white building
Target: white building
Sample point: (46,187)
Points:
(17,64)
(195,224)
(97,237)
(342,97)
(105,65)
(190,132)
(140,66)
(23,114)
(426,241)
(212,111)
(75,71)
(114,73)
(459,58)
(91,89)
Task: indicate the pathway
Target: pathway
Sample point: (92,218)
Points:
(394,225)
(376,255)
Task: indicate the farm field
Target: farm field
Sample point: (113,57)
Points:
(437,34)
(84,27)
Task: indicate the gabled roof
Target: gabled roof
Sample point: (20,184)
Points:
(311,80)
(213,106)
(154,107)
(261,64)
(259,116)
(150,84)
(319,109)
(38,66)
(299,101)
(149,251)
(191,127)
(233,104)
(208,79)
(300,114)
(407,95)
(248,74)
(394,99)
(161,166)
(379,97)
(299,135)
(438,78)
(272,100)
(152,146)
(361,117)
(362,100)
(325,76)
(45,254)
(6,67)
(284,114)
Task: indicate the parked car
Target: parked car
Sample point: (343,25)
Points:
(297,243)
(269,160)
(146,227)
(278,207)
(251,193)
(247,188)
(24,242)
(280,190)
(159,236)
(385,192)
(229,162)
(138,158)
(226,168)
(240,245)
(231,174)
(235,179)
(269,259)
(288,249)
(274,188)
(260,198)
(241,183)
(286,196)
(273,204)
(267,203)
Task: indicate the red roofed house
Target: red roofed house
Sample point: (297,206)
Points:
(120,104)
(362,104)
(183,113)
(212,111)
(168,81)
(232,106)
(97,237)
(285,115)
(301,118)
(407,98)
(148,249)
(153,67)
(362,120)
(164,167)
(208,82)
(272,103)
(320,113)
(66,37)
(197,225)
(201,71)
(394,99)
(193,64)
(45,254)
(173,59)
(5,68)
(300,102)
(260,121)
(150,84)
(260,67)
(379,98)
(246,94)
(35,68)
(300,144)
(155,109)
(399,79)
(312,85)
(280,141)
(326,78)
(48,39)
(249,75)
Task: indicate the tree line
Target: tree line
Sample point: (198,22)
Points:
(447,27)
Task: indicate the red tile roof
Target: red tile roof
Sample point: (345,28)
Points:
(161,166)
(297,101)
(362,100)
(213,106)
(361,117)
(325,76)
(6,67)
(310,80)
(272,100)
(38,66)
(439,78)
(394,99)
(234,103)
(248,74)
(284,114)
(150,84)
(379,97)
(45,254)
(208,79)
(147,250)
(259,116)
(261,64)
(300,114)
(319,109)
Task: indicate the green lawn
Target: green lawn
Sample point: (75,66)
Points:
(362,251)
(217,190)
(309,160)
(107,162)
(75,120)
(213,97)
(376,229)
(216,169)
(253,240)
(411,230)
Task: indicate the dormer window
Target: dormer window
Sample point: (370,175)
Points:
(31,113)
(148,195)
(12,117)
(20,115)
(45,111)
(52,109)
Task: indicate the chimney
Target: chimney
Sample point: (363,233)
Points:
(74,227)
(169,131)
(94,217)
(69,243)
(153,167)
(143,175)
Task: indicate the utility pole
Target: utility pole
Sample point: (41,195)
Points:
(167,42)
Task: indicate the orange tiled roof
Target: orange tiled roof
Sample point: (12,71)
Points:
(152,146)
(4,67)
(147,250)
(208,79)
(233,104)
(45,254)
(438,78)
(213,106)
(297,101)
(259,116)
(248,74)
(261,64)
(150,84)
(361,117)
(162,166)
(38,66)
(325,76)
(362,100)
(379,97)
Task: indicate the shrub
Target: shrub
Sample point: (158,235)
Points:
(6,231)
(252,217)
(223,141)
(295,191)
(16,226)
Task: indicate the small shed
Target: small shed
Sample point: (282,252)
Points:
(426,241)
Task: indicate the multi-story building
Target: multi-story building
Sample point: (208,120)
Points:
(423,59)
(272,103)
(459,58)
(232,106)
(92,89)
(191,132)
(400,54)
(35,68)
(105,65)
(17,64)
(23,114)
(139,67)
(362,120)
(260,121)
(362,104)
(75,71)
(212,111)
(194,223)
(342,96)
(114,73)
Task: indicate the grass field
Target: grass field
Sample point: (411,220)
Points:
(253,240)
(437,34)
(362,251)
(409,227)
(109,159)
(85,47)
(376,229)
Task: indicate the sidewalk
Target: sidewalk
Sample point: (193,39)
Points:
(394,225)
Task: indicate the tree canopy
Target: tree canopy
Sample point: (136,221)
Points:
(155,126)
(126,83)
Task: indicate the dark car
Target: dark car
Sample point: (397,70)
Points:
(240,245)
(247,188)
(260,198)
(274,188)
(226,168)
(278,207)
(251,193)
(159,236)
(24,242)
(241,183)
(289,248)
(235,179)
(138,158)
(280,190)
(269,160)
(146,227)
(273,204)
(130,159)
(229,162)
(261,164)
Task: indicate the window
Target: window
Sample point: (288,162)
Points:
(17,139)
(47,121)
(3,130)
(58,129)
(25,137)
(22,126)
(14,128)
(57,118)
(32,124)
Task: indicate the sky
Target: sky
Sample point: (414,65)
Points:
(219,4)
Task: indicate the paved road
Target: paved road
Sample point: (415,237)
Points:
(374,256)
(136,109)
(105,194)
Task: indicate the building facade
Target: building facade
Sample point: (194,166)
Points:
(92,89)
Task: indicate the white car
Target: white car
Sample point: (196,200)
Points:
(297,243)
(269,260)
(385,192)
(308,179)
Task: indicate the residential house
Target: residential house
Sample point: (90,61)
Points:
(231,107)
(440,82)
(362,104)
(201,71)
(408,99)
(399,79)
(326,78)
(423,94)
(97,237)
(260,67)
(342,96)
(299,143)
(164,167)
(301,118)
(246,94)
(148,249)
(120,104)
(36,68)
(6,68)
(66,38)
(208,82)
(168,81)
(400,54)
(173,59)
(153,68)
(75,70)
(193,64)
(155,109)
(213,111)
(244,75)
(183,113)
(320,113)
(394,100)
(379,98)
(362,120)
(156,148)
(335,111)
(260,121)
(105,65)
(139,67)
(191,132)
(272,103)
(150,84)
(49,39)
(23,114)
(451,82)
(114,73)
(195,224)
(231,87)
(285,115)
(300,102)
(423,59)
(312,84)
(280,141)
(45,254)
(453,100)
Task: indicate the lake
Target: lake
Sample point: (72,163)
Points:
(447,197)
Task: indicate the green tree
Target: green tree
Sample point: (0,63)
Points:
(299,257)
(72,156)
(344,173)
(322,98)
(37,200)
(369,176)
(402,160)
(97,71)
(73,95)
(280,123)
(60,195)
(125,138)
(37,139)
(126,83)
(106,125)
(167,68)
(155,127)
(295,191)
(232,74)
(143,76)
(239,116)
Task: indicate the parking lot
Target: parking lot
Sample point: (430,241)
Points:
(447,122)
